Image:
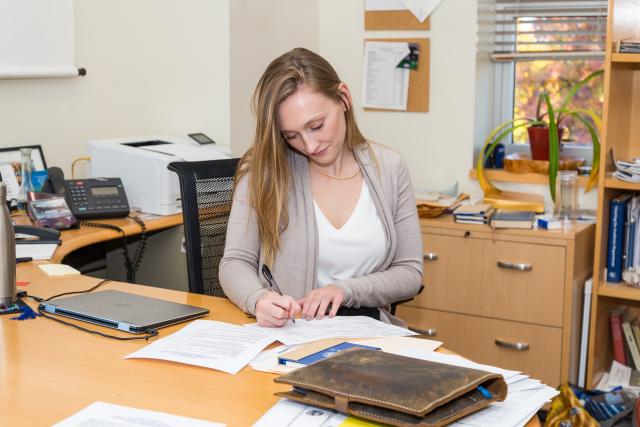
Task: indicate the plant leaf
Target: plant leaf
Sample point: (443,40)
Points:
(554,148)
(576,88)
(489,145)
(578,114)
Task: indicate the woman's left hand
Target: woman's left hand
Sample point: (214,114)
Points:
(315,304)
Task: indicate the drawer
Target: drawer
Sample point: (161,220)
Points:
(475,338)
(494,278)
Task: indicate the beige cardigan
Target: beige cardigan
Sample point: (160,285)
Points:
(397,278)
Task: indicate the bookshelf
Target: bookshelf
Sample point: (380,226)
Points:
(621,132)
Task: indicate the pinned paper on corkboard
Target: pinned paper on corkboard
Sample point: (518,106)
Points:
(396,84)
(398,15)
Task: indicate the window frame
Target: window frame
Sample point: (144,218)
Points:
(504,91)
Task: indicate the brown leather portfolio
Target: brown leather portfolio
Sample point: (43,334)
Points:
(392,389)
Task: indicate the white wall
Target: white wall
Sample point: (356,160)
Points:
(261,31)
(153,66)
(437,145)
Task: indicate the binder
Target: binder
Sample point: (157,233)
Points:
(617,216)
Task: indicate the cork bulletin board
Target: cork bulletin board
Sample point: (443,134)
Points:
(394,20)
(418,97)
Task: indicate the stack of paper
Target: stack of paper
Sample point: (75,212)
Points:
(267,361)
(228,348)
(524,398)
(337,327)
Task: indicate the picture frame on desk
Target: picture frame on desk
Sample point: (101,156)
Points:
(12,155)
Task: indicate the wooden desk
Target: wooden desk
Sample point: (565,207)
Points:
(50,371)
(84,236)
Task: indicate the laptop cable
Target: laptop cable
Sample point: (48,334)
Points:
(149,332)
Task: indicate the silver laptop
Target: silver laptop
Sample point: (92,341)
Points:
(121,310)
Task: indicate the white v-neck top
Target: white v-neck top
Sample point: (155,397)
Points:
(353,250)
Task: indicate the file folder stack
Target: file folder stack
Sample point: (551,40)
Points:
(473,214)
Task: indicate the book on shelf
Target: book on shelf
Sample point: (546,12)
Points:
(617,337)
(631,344)
(617,218)
(513,219)
(630,46)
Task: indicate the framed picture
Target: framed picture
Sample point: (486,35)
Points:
(10,167)
(11,155)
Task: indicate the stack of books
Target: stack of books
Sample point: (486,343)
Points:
(623,251)
(473,214)
(627,171)
(630,47)
(513,219)
(625,334)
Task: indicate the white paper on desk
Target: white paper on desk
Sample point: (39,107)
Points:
(421,9)
(208,343)
(8,174)
(385,85)
(267,360)
(35,250)
(337,327)
(100,414)
(287,413)
(399,345)
(516,410)
(455,360)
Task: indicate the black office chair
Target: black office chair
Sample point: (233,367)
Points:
(206,190)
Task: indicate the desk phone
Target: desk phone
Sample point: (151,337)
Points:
(96,197)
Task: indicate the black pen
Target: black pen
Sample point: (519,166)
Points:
(272,283)
(23,259)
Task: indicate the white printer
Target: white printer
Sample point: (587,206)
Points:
(141,163)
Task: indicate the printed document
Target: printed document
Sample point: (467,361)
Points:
(287,413)
(385,85)
(215,345)
(100,414)
(338,327)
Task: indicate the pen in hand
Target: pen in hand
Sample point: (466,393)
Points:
(272,283)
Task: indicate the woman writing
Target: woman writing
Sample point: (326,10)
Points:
(331,214)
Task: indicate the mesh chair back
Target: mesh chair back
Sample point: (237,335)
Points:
(206,190)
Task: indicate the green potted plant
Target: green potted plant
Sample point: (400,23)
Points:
(545,133)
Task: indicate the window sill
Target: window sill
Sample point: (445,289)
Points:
(501,175)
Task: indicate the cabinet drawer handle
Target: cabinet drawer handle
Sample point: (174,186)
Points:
(431,332)
(515,266)
(519,346)
(430,256)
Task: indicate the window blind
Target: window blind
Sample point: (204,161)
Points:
(528,30)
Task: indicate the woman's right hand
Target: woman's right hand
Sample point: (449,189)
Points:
(274,311)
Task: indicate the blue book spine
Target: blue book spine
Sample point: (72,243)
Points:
(631,243)
(617,215)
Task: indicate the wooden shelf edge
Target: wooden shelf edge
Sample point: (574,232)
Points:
(501,175)
(625,57)
(619,290)
(610,182)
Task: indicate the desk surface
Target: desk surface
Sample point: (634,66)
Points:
(84,236)
(50,371)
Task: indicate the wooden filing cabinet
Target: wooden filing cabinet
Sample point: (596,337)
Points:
(509,298)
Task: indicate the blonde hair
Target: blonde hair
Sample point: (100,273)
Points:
(265,162)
